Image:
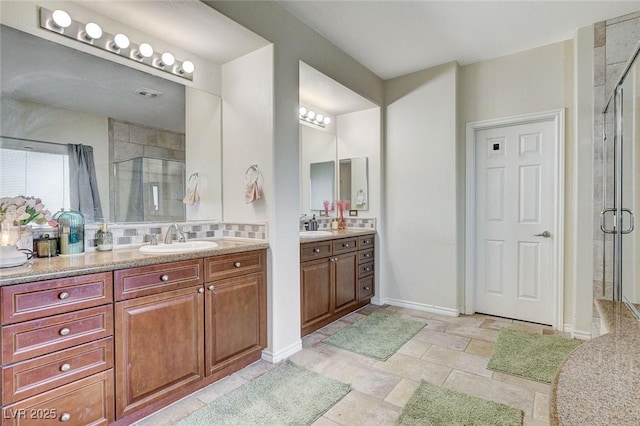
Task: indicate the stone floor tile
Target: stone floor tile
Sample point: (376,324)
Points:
(434,324)
(414,348)
(333,353)
(541,407)
(527,326)
(256,369)
(496,324)
(459,360)
(415,318)
(310,359)
(219,388)
(334,327)
(375,383)
(530,421)
(353,317)
(480,347)
(415,313)
(472,320)
(402,392)
(473,332)
(533,386)
(442,339)
(358,409)
(324,421)
(312,339)
(414,369)
(343,371)
(173,413)
(492,390)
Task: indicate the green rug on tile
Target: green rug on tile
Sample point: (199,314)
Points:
(432,405)
(377,336)
(529,355)
(286,395)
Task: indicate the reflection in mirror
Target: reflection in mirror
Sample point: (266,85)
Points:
(354,182)
(316,147)
(321,179)
(123,113)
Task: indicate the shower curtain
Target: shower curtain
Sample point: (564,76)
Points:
(84,196)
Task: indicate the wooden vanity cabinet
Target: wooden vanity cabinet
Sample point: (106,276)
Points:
(332,279)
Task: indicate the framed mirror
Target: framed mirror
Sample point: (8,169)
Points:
(317,167)
(53,95)
(321,183)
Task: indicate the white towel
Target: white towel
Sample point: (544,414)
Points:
(193,195)
(252,192)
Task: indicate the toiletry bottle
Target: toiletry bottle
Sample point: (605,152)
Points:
(104,238)
(313,224)
(334,225)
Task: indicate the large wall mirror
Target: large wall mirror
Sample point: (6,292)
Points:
(138,125)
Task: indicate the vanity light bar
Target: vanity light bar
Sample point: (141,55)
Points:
(60,22)
(313,117)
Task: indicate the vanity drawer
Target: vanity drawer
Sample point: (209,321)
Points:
(315,250)
(88,401)
(24,302)
(367,241)
(365,256)
(365,269)
(29,378)
(233,265)
(345,245)
(38,337)
(365,288)
(147,280)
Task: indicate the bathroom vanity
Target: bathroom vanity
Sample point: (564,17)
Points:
(108,338)
(337,276)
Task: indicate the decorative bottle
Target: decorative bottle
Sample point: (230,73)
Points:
(104,238)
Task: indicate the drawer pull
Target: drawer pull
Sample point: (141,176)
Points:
(367,269)
(211,287)
(65,367)
(316,250)
(65,417)
(366,242)
(367,255)
(237,264)
(64,295)
(64,331)
(165,277)
(201,290)
(367,288)
(345,245)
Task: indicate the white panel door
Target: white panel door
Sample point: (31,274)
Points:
(515,185)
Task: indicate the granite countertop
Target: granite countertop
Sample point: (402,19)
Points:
(101,261)
(598,383)
(343,233)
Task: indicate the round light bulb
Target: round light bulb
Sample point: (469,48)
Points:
(302,111)
(319,118)
(145,50)
(61,19)
(188,67)
(121,41)
(167,59)
(93,31)
(327,120)
(311,115)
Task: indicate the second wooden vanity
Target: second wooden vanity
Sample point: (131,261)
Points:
(336,278)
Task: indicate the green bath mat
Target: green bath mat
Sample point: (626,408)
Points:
(286,395)
(532,356)
(377,336)
(434,405)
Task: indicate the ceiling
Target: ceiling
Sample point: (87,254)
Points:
(394,38)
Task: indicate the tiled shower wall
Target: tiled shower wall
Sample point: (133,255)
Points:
(614,42)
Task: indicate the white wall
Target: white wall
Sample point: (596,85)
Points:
(419,254)
(358,136)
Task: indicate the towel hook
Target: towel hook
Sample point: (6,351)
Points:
(252,174)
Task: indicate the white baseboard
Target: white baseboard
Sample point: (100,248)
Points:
(451,312)
(376,301)
(576,334)
(285,353)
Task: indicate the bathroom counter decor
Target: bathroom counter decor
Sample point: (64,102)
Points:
(58,267)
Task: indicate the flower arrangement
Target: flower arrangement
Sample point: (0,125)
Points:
(325,203)
(26,210)
(341,206)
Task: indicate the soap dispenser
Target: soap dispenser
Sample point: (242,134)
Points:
(104,238)
(313,224)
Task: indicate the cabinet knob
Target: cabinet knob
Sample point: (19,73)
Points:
(367,288)
(345,245)
(165,277)
(65,417)
(366,241)
(65,367)
(237,264)
(367,269)
(63,295)
(64,331)
(367,255)
(201,290)
(211,287)
(316,250)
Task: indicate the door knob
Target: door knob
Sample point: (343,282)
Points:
(545,234)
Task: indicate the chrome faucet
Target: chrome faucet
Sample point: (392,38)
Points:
(168,238)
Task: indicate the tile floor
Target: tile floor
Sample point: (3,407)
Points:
(452,352)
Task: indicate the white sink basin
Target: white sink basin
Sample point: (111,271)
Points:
(187,247)
(314,233)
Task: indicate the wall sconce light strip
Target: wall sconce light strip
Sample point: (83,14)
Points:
(313,118)
(109,42)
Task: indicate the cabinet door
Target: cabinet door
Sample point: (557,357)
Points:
(316,293)
(159,347)
(346,270)
(235,320)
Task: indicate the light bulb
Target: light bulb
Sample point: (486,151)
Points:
(167,59)
(61,19)
(145,51)
(188,67)
(327,120)
(120,41)
(92,31)
(319,118)
(302,111)
(311,115)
